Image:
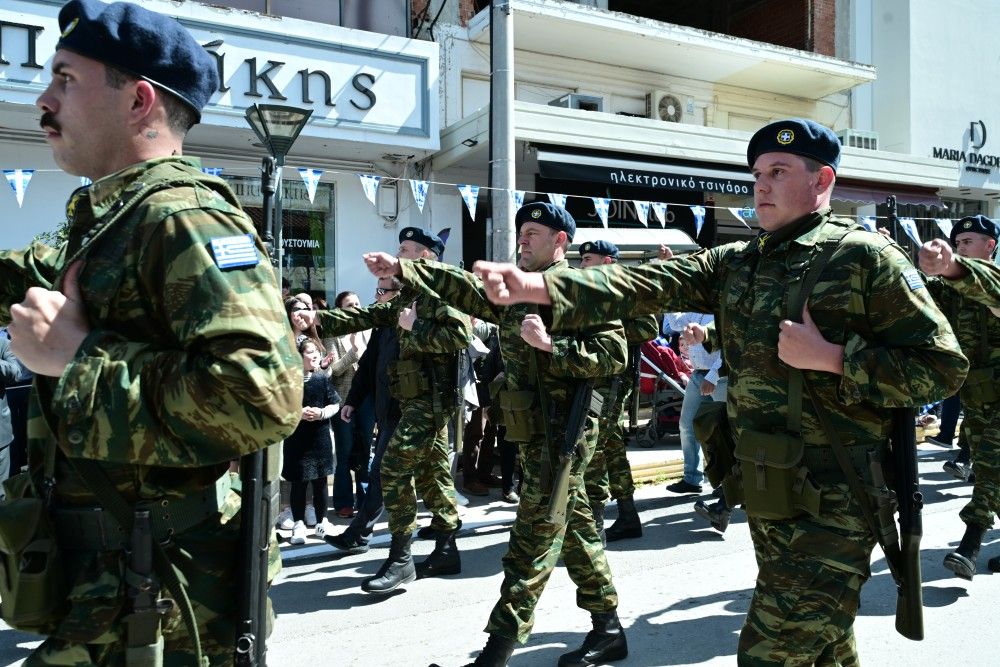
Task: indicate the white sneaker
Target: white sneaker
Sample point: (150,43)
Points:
(298,533)
(285,521)
(461,500)
(310,515)
(324,528)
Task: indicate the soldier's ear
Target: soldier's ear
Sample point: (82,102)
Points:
(825,177)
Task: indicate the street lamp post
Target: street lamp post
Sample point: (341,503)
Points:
(277,127)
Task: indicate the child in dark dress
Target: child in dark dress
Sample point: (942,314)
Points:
(308,452)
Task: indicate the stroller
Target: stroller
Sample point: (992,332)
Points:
(660,377)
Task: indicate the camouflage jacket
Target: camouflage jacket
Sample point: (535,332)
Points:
(592,351)
(967,302)
(638,330)
(187,366)
(898,348)
(437,334)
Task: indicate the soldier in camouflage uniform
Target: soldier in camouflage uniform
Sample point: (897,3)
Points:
(968,291)
(431,334)
(157,362)
(541,372)
(609,473)
(869,338)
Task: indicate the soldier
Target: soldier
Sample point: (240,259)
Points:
(431,334)
(540,374)
(609,473)
(869,338)
(968,290)
(160,348)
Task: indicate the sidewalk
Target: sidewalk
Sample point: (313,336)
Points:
(489,510)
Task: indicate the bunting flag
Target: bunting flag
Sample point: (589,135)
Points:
(660,210)
(909,226)
(444,234)
(311,178)
(557,199)
(84,181)
(470,195)
(19,179)
(642,210)
(211,171)
(699,219)
(518,196)
(369,184)
(868,222)
(944,224)
(738,213)
(601,206)
(420,190)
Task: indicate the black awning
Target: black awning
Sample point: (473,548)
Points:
(876,193)
(622,170)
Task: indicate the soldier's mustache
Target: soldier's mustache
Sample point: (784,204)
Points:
(49,120)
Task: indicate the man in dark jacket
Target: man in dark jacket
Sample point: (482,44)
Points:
(372,379)
(10,371)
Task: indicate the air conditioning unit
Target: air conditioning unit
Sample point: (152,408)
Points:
(578,101)
(661,105)
(859,139)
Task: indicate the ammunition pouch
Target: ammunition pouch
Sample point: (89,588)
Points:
(520,414)
(776,483)
(408,380)
(33,585)
(980,386)
(711,428)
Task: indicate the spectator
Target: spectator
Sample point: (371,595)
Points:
(10,370)
(479,439)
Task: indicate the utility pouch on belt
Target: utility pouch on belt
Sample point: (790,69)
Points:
(520,415)
(408,380)
(32,585)
(980,386)
(711,428)
(775,483)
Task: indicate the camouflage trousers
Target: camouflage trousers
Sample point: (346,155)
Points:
(536,545)
(981,428)
(807,593)
(92,632)
(609,473)
(417,454)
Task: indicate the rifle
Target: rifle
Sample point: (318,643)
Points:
(459,405)
(575,425)
(259,491)
(633,405)
(909,601)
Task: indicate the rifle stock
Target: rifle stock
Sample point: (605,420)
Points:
(575,425)
(633,400)
(909,604)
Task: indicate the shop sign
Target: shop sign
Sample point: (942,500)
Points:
(972,160)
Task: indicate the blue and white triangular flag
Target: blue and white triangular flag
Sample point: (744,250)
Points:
(419,189)
(868,222)
(84,181)
(212,171)
(699,219)
(909,226)
(518,196)
(369,183)
(311,178)
(660,210)
(944,224)
(557,199)
(601,206)
(470,195)
(739,214)
(19,179)
(642,210)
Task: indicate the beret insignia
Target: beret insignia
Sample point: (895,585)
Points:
(786,137)
(537,213)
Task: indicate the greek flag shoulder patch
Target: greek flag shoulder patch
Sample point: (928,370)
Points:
(235,251)
(913,279)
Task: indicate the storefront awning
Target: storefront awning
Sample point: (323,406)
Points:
(636,243)
(877,193)
(615,170)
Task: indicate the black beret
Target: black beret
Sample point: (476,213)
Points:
(550,215)
(979,224)
(606,248)
(426,239)
(144,43)
(798,136)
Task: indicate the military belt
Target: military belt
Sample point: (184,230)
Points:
(822,463)
(95,529)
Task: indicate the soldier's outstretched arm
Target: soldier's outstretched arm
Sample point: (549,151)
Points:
(34,266)
(454,286)
(981,282)
(343,321)
(229,381)
(596,352)
(445,329)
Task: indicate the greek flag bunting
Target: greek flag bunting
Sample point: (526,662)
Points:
(699,219)
(660,211)
(909,226)
(557,199)
(369,183)
(944,224)
(311,178)
(212,171)
(868,222)
(18,180)
(742,214)
(518,196)
(420,190)
(642,210)
(601,206)
(470,195)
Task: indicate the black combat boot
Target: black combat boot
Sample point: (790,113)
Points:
(496,653)
(443,560)
(717,513)
(430,533)
(605,643)
(347,543)
(962,561)
(396,570)
(627,525)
